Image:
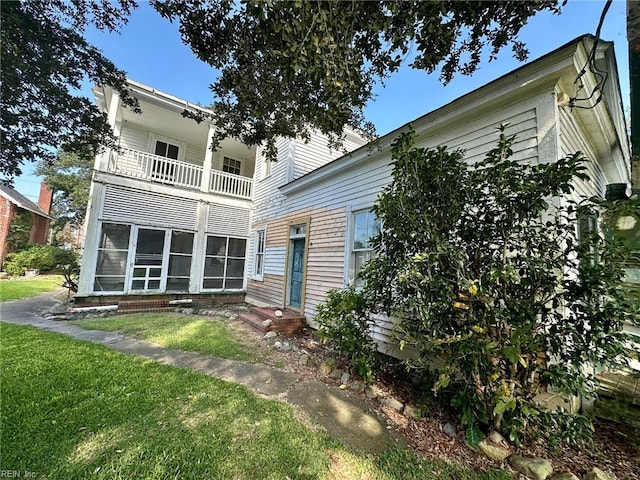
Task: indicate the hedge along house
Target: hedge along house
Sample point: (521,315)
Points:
(311,234)
(167,215)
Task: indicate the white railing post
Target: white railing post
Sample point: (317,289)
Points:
(208,161)
(146,166)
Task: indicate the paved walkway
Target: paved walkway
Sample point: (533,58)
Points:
(342,415)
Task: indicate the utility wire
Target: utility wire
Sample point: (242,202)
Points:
(601,75)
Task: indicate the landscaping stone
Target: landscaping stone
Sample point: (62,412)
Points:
(269,335)
(411,412)
(59,318)
(285,347)
(325,368)
(450,430)
(188,311)
(371,393)
(357,386)
(392,403)
(535,468)
(266,323)
(304,359)
(565,476)
(277,345)
(336,373)
(597,474)
(494,451)
(344,379)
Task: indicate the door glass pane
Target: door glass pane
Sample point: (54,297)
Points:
(217,246)
(161,149)
(237,247)
(153,285)
(115,236)
(179,266)
(150,247)
(139,272)
(137,285)
(182,242)
(172,152)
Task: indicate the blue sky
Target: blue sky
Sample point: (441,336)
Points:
(150,50)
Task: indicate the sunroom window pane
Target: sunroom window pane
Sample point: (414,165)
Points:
(115,236)
(237,247)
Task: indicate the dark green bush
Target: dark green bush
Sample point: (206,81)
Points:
(345,320)
(44,258)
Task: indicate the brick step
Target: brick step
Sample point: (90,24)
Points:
(254,322)
(143,309)
(290,322)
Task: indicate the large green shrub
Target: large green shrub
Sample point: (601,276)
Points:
(345,320)
(45,258)
(483,267)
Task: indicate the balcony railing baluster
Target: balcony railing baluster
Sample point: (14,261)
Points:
(147,166)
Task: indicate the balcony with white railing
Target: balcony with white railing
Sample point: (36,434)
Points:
(155,168)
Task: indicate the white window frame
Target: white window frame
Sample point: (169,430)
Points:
(154,137)
(350,264)
(258,273)
(267,168)
(224,271)
(232,159)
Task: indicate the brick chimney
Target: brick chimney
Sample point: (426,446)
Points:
(45,198)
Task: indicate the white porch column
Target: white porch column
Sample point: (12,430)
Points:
(199,247)
(208,161)
(92,239)
(102,160)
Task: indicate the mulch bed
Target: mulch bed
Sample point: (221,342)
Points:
(615,447)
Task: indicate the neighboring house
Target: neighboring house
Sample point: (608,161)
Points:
(167,215)
(311,234)
(15,207)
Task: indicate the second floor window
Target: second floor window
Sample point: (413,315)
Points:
(164,149)
(162,169)
(231,165)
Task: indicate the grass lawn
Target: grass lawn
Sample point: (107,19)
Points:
(18,288)
(75,410)
(182,332)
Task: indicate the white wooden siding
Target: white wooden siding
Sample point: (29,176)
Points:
(572,140)
(315,153)
(129,205)
(225,220)
(360,186)
(274,258)
(134,137)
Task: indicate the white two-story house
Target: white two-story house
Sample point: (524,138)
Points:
(169,216)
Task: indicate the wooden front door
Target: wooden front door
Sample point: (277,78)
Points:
(296,275)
